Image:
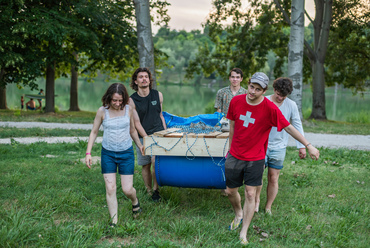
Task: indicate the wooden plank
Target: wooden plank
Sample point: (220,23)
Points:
(191,135)
(174,135)
(195,135)
(175,146)
(166,131)
(212,134)
(223,136)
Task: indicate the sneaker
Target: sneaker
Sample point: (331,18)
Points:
(224,125)
(156,197)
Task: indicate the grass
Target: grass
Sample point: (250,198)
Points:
(314,126)
(82,117)
(336,127)
(12,132)
(58,202)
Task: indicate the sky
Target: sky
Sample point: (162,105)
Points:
(190,14)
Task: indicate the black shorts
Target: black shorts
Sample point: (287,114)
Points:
(237,171)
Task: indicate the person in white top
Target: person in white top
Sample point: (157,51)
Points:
(278,141)
(117,152)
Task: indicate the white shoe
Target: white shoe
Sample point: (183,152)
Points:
(224,125)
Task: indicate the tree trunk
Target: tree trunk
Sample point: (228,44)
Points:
(321,25)
(73,99)
(2,91)
(50,88)
(318,91)
(144,36)
(295,59)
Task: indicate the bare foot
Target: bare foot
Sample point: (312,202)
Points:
(257,207)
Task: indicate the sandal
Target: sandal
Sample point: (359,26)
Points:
(244,241)
(234,225)
(135,213)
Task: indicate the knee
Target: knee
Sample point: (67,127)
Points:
(274,179)
(250,194)
(111,189)
(128,191)
(231,192)
(146,167)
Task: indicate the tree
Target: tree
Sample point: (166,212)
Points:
(295,58)
(53,33)
(180,47)
(17,64)
(144,32)
(260,28)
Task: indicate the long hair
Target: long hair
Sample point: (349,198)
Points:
(134,78)
(118,88)
(283,85)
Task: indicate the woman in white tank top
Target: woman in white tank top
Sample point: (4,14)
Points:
(119,130)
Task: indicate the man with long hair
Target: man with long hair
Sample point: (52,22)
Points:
(148,104)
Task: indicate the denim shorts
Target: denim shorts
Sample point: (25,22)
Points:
(142,160)
(124,160)
(237,171)
(275,158)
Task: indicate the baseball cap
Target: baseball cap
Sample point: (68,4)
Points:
(261,79)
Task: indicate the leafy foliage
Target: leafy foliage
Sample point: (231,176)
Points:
(244,35)
(179,48)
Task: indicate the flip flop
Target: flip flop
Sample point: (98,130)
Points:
(234,226)
(268,212)
(243,241)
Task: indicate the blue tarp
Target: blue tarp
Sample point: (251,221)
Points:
(208,119)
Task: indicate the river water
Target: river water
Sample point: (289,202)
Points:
(189,100)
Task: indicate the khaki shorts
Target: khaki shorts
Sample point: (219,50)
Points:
(142,160)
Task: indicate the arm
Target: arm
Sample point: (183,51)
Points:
(133,132)
(218,102)
(136,118)
(93,134)
(231,132)
(161,115)
(297,123)
(314,153)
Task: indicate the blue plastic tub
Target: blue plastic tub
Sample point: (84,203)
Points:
(200,172)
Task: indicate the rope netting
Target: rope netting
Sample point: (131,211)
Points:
(197,129)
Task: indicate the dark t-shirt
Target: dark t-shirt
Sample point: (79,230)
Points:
(149,110)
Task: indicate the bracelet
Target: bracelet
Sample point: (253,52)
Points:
(309,144)
(88,153)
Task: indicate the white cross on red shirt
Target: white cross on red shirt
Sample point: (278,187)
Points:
(247,119)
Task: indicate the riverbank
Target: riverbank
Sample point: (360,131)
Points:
(353,142)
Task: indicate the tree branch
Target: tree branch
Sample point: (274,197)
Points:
(287,19)
(308,16)
(309,51)
(324,31)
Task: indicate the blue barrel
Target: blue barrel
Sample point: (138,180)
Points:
(200,172)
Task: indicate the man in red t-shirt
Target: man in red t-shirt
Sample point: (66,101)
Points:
(251,118)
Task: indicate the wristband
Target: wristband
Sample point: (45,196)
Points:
(88,153)
(309,144)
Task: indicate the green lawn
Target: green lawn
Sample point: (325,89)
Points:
(58,202)
(313,126)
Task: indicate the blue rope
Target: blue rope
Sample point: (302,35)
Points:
(219,163)
(199,128)
(189,148)
(155,143)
